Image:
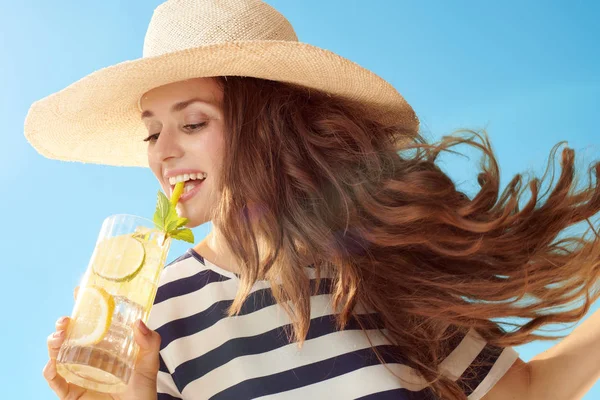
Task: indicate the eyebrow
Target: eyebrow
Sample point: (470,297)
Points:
(177,106)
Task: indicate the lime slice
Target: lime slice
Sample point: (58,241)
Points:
(119,258)
(92,317)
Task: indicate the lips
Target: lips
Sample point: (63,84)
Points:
(191,179)
(184,177)
(191,188)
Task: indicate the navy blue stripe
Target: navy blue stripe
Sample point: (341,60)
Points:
(196,368)
(304,376)
(165,396)
(162,366)
(479,368)
(198,257)
(187,285)
(257,300)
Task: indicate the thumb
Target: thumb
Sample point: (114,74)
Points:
(147,362)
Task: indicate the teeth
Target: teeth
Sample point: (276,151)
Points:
(186,177)
(188,188)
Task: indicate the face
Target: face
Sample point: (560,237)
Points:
(185,142)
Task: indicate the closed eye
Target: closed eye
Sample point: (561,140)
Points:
(152,138)
(193,127)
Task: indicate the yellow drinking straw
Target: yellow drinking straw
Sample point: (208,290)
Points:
(177,192)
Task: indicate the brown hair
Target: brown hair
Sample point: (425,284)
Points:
(309,180)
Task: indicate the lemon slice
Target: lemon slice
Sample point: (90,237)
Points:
(119,258)
(92,317)
(177,192)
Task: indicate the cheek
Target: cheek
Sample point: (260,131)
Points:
(215,147)
(215,141)
(154,167)
(208,148)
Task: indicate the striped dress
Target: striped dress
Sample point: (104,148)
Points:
(207,355)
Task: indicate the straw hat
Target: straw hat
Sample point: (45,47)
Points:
(97,119)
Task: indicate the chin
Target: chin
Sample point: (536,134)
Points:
(195,217)
(193,223)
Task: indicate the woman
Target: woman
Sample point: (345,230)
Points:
(343,262)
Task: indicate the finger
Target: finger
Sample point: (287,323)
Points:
(56,382)
(147,362)
(54,342)
(62,323)
(75,292)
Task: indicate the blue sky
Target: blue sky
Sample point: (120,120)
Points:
(529,72)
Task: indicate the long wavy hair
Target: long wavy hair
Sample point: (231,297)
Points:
(308,179)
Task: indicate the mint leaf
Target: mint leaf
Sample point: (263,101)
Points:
(171,215)
(183,234)
(167,220)
(162,211)
(175,224)
(181,222)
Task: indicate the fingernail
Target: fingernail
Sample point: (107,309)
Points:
(62,320)
(143,328)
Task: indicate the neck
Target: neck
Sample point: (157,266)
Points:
(215,249)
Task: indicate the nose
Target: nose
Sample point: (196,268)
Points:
(168,145)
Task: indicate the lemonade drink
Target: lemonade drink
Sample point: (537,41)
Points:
(117,289)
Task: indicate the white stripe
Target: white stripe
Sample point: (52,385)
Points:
(266,319)
(463,355)
(362,382)
(218,270)
(179,270)
(279,360)
(501,366)
(165,384)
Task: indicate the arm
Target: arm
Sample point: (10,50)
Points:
(567,371)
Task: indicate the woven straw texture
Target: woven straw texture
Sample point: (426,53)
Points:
(97,119)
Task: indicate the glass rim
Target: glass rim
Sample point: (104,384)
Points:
(132,216)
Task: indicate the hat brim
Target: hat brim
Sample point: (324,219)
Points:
(97,119)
